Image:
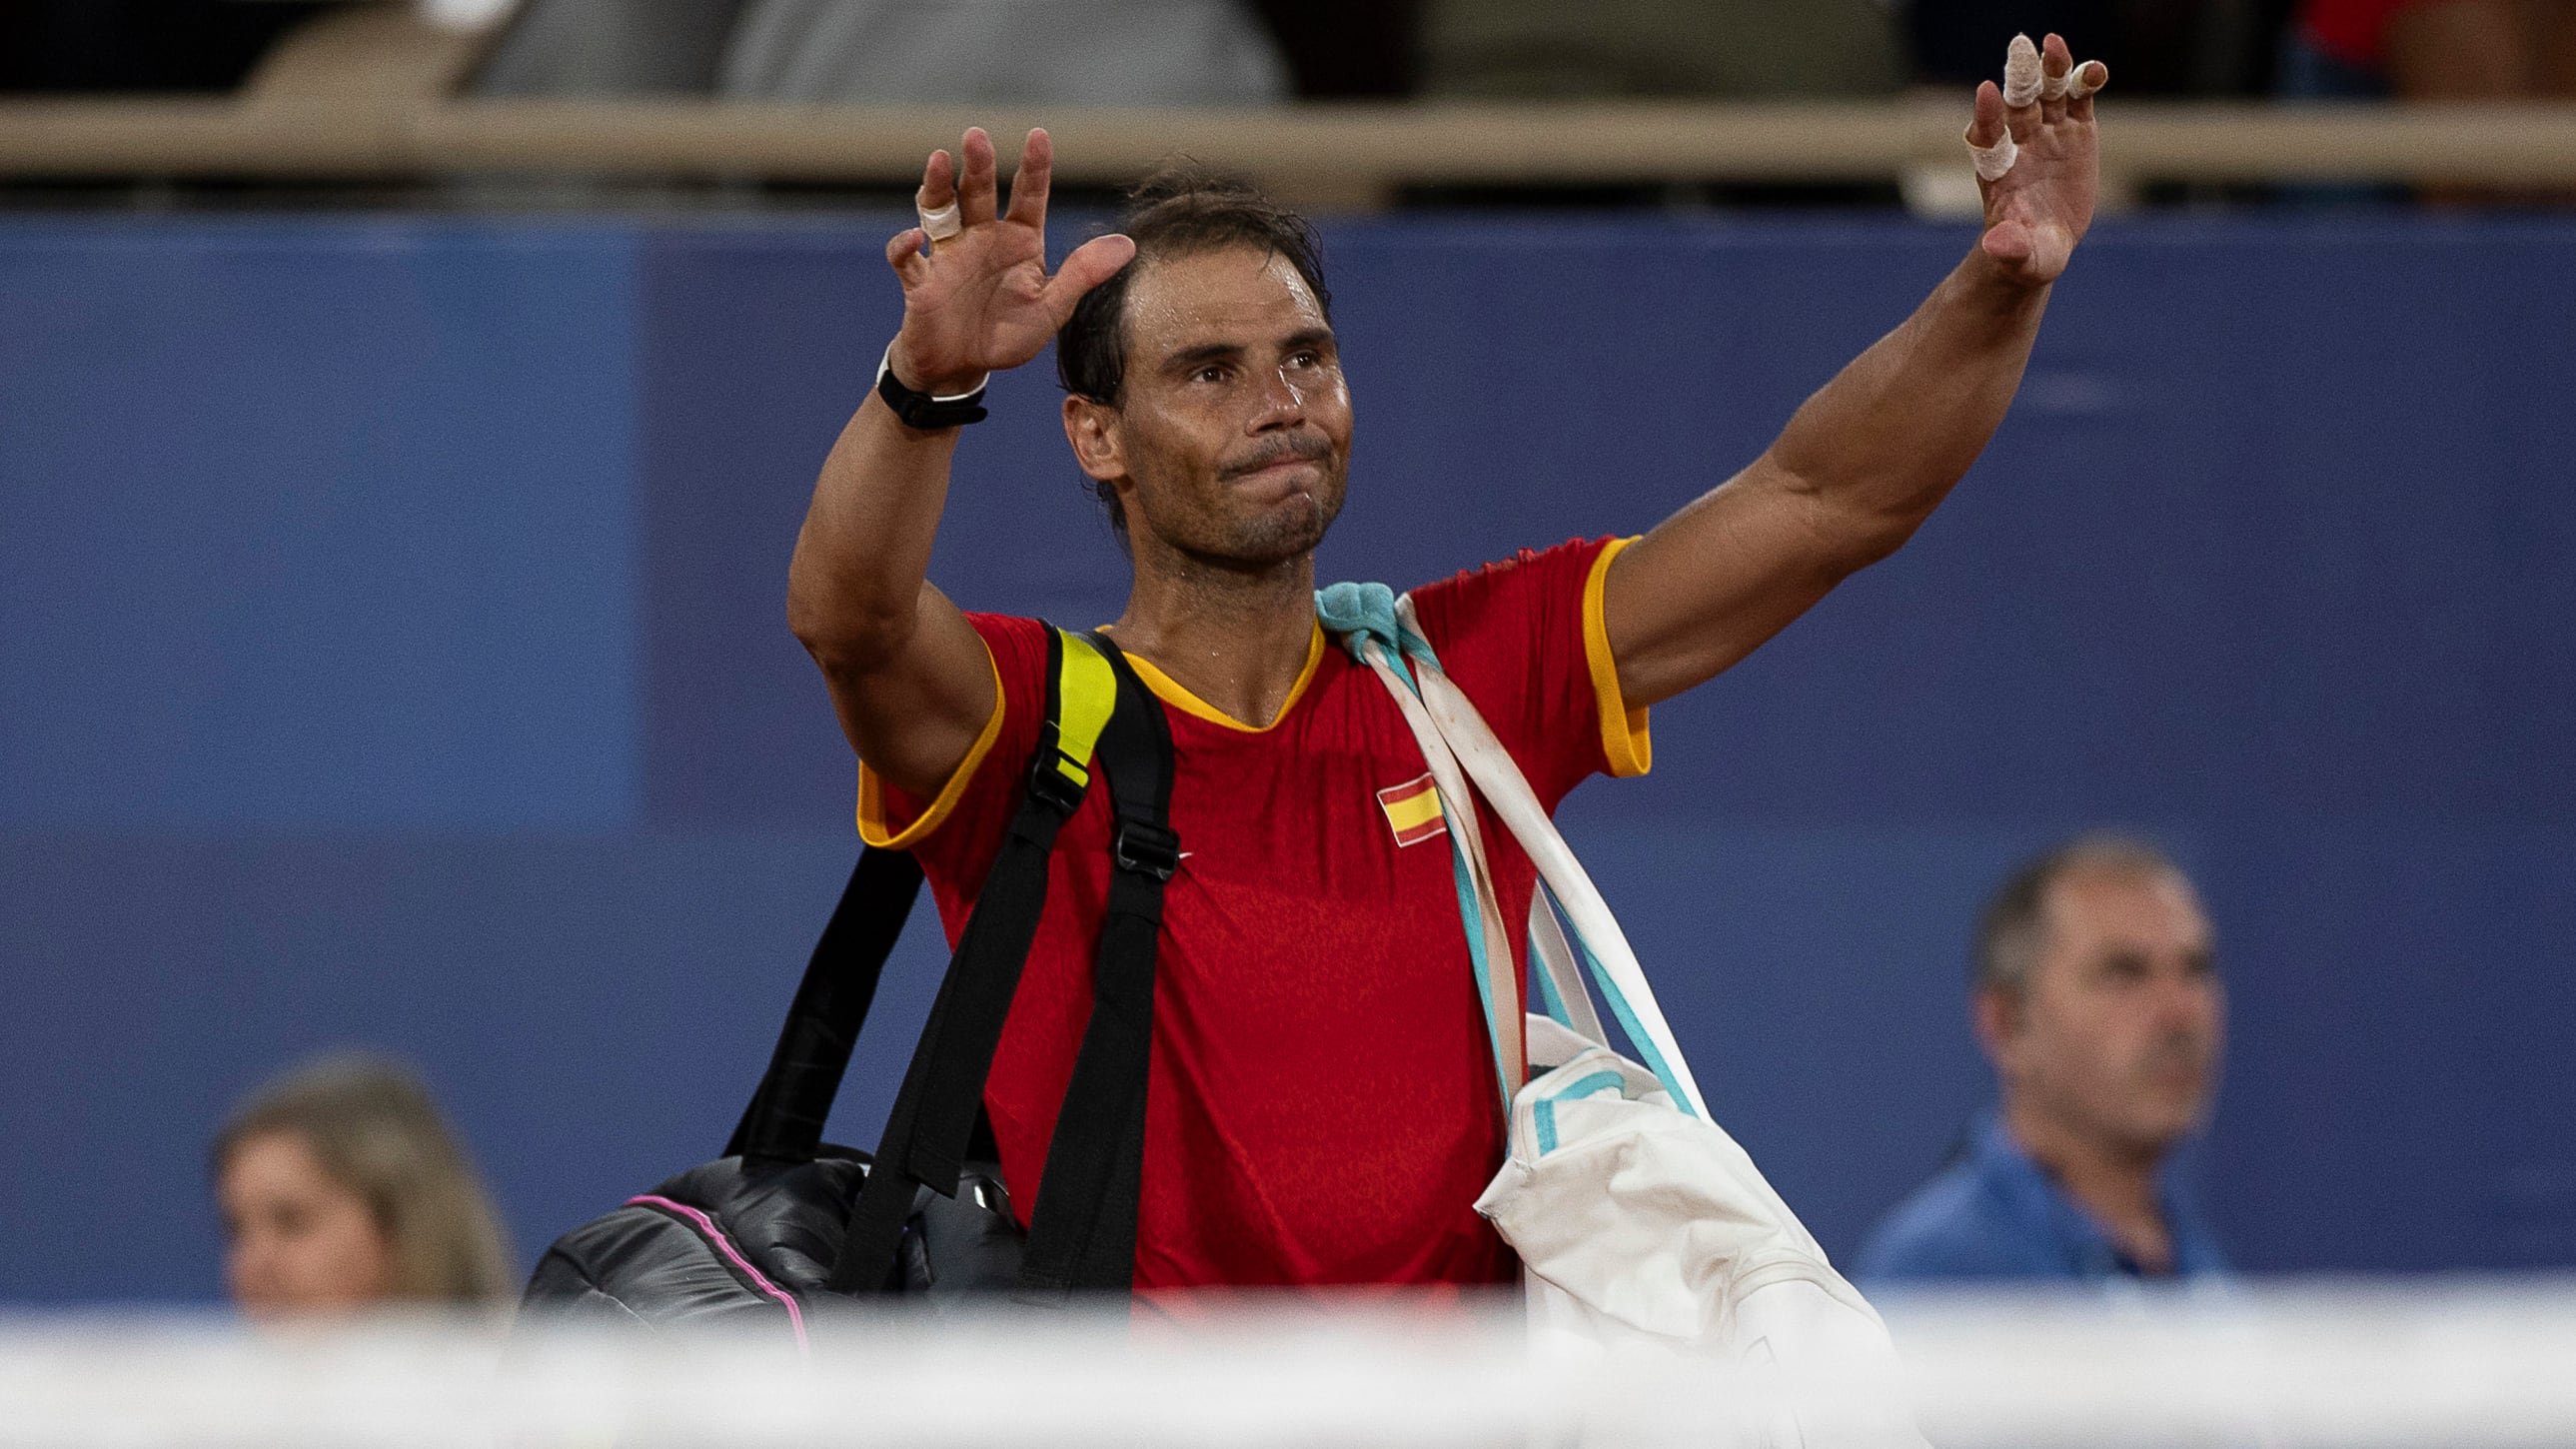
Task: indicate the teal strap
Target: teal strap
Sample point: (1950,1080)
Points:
(1544,1115)
(1628,1022)
(1355,611)
(1549,1000)
(1352,612)
(1468,916)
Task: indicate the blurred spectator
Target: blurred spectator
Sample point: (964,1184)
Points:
(610,48)
(2098,1002)
(2153,47)
(2433,50)
(1349,49)
(891,52)
(1544,49)
(1003,52)
(342,1189)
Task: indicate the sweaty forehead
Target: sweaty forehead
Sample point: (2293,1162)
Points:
(1236,294)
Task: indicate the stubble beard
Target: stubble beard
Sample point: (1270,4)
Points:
(2121,1109)
(1222,539)
(1293,529)
(2138,1108)
(2178,1113)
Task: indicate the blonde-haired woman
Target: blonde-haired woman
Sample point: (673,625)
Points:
(342,1189)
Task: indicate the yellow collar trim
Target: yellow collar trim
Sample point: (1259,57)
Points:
(1178,696)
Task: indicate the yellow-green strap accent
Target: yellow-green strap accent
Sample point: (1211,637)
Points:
(1086,691)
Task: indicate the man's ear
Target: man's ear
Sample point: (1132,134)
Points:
(1996,1014)
(1092,429)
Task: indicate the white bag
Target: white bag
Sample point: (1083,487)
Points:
(1639,1222)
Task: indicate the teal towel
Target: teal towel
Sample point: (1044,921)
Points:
(1352,612)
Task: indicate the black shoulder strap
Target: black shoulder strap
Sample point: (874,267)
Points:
(1082,1228)
(784,1122)
(933,1119)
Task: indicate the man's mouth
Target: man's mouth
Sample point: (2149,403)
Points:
(1268,470)
(2180,1071)
(1273,462)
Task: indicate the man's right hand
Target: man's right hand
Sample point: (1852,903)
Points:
(981,301)
(908,674)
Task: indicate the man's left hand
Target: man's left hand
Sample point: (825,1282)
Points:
(2037,211)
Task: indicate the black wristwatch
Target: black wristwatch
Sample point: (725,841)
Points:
(922,410)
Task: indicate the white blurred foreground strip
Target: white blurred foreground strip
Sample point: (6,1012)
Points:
(2416,1363)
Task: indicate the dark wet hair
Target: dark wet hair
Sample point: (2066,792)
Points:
(1179,211)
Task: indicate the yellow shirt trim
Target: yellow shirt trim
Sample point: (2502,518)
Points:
(1178,696)
(1625,741)
(872,821)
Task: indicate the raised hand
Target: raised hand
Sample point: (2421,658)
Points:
(2037,210)
(981,300)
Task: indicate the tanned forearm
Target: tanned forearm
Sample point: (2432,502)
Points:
(855,586)
(1878,448)
(1867,459)
(909,678)
(1858,468)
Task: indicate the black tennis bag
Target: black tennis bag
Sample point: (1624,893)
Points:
(785,1226)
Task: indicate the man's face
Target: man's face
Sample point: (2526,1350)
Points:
(2116,1035)
(1233,434)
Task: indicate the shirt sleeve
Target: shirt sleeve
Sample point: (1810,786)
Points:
(1524,639)
(957,832)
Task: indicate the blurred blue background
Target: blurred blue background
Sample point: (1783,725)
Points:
(392,651)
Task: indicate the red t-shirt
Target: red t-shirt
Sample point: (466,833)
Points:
(1321,1108)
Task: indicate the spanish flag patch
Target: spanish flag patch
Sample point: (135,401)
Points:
(1413,810)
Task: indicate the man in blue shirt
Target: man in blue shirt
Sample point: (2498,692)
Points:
(2098,1001)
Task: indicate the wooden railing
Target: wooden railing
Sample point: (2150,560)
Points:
(1348,154)
(369,94)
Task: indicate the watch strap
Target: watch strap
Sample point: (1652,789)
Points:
(927,411)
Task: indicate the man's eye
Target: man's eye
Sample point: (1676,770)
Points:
(1213,372)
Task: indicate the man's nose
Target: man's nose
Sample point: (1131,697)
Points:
(2187,1001)
(1282,402)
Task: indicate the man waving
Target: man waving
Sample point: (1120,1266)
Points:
(1321,1108)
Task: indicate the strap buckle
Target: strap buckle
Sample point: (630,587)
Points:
(1146,848)
(1049,785)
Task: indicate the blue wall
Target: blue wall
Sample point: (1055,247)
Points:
(391,651)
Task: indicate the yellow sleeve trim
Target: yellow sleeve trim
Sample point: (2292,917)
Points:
(1625,742)
(872,821)
(1176,694)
